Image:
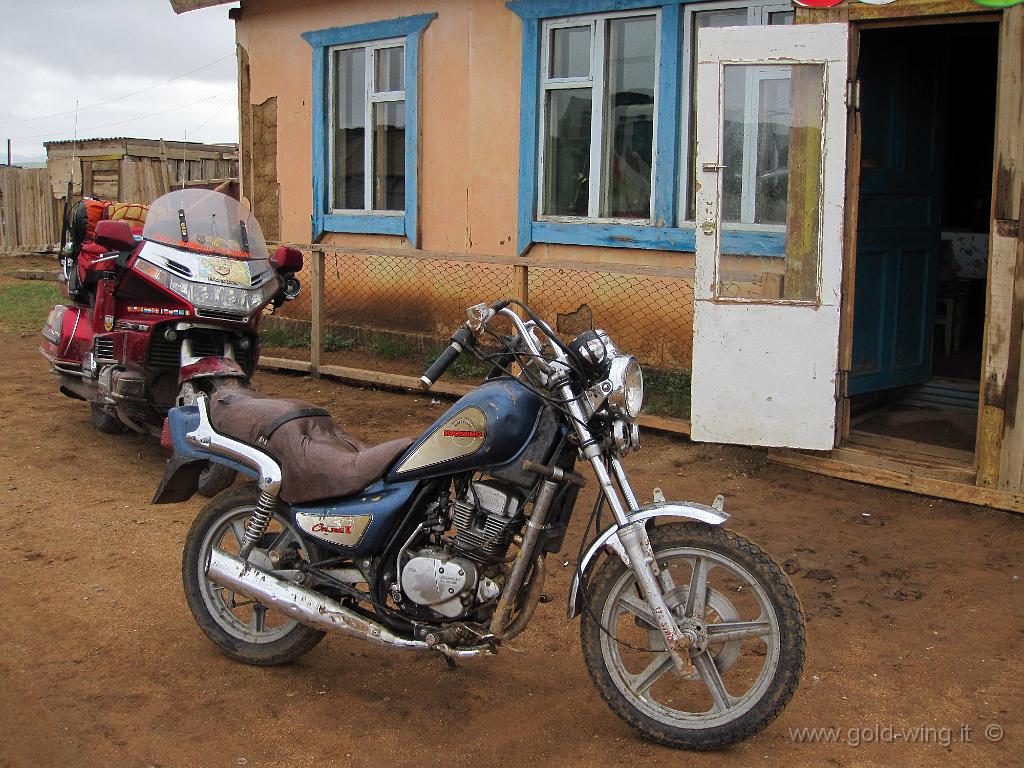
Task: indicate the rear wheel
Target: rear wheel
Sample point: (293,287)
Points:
(747,660)
(241,628)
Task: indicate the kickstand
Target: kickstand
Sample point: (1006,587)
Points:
(452,666)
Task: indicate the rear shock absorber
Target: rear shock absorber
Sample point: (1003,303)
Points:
(258,523)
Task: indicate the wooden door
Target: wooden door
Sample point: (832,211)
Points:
(899,208)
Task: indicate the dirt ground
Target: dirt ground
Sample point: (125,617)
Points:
(914,610)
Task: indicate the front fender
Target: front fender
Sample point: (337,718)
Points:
(207,367)
(609,537)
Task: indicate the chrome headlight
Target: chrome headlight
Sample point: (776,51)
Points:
(627,380)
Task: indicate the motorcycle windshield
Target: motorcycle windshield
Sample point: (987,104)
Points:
(207,222)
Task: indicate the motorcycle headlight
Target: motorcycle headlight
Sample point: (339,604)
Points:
(627,380)
(209,295)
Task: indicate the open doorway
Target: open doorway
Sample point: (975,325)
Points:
(928,103)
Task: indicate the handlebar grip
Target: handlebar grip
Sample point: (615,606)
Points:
(461,339)
(500,305)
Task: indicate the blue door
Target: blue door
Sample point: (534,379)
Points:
(903,111)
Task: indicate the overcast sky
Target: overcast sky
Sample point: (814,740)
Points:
(55,51)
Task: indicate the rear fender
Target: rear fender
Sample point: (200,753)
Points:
(195,443)
(609,539)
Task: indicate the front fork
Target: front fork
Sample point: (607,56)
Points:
(639,556)
(634,544)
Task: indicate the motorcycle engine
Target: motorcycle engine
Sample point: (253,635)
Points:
(439,581)
(451,584)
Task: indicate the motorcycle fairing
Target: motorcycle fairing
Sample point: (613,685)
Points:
(500,418)
(68,335)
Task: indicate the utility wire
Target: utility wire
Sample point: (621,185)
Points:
(129,120)
(116,98)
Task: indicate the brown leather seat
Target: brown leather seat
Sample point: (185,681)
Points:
(318,459)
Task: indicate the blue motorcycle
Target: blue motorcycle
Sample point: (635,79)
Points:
(691,633)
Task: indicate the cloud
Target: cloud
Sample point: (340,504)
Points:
(59,51)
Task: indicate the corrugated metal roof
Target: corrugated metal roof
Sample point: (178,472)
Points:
(107,139)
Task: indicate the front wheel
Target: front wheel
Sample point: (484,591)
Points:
(241,628)
(746,664)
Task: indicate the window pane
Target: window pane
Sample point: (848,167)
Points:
(781,17)
(389,74)
(389,156)
(771,137)
(772,171)
(732,17)
(349,128)
(570,52)
(628,128)
(567,152)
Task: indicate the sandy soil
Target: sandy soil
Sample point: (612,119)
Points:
(914,610)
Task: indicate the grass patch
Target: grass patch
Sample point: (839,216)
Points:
(24,306)
(391,349)
(667,393)
(278,336)
(334,342)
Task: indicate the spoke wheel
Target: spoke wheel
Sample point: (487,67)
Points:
(750,649)
(240,627)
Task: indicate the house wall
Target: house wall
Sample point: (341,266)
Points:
(468,188)
(469,122)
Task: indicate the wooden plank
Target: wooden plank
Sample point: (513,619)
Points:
(871,458)
(897,445)
(665,424)
(402,381)
(396,380)
(902,481)
(905,9)
(284,364)
(1002,337)
(525,261)
(318,317)
(37,274)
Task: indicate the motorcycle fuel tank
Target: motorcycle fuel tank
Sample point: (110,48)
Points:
(489,427)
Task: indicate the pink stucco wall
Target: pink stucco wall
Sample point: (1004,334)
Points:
(469,120)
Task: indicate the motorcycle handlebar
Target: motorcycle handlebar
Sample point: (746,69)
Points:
(461,339)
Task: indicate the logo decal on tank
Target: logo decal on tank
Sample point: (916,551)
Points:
(343,530)
(462,435)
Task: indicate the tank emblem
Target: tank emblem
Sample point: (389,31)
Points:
(460,436)
(343,530)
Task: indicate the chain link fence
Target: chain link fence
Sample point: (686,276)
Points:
(391,312)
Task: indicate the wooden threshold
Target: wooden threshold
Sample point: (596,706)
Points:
(401,381)
(906,476)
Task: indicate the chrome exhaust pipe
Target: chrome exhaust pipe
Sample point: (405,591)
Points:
(309,607)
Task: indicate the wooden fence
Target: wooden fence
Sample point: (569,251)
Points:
(29,214)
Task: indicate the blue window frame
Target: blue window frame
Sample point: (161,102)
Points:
(665,229)
(398,99)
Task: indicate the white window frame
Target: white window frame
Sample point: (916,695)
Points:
(596,83)
(370,97)
(757,15)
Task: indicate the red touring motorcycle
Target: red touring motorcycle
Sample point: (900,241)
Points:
(157,318)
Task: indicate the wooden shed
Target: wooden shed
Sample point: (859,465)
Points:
(844,184)
(139,170)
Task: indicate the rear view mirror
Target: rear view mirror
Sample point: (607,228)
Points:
(287,260)
(115,235)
